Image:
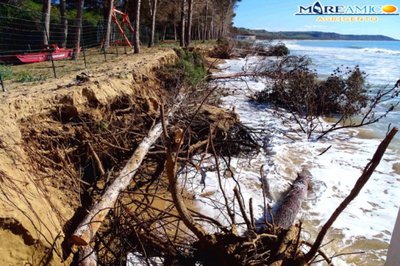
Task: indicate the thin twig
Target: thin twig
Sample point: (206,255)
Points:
(97,160)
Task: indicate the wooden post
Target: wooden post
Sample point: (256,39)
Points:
(51,55)
(1,82)
(83,50)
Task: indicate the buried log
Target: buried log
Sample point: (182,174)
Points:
(286,213)
(92,222)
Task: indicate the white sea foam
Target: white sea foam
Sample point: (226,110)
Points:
(380,51)
(365,51)
(366,224)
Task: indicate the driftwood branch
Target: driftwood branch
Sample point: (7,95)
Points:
(242,209)
(89,226)
(286,213)
(362,180)
(170,166)
(241,75)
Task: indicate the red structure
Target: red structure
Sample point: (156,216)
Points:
(48,53)
(125,21)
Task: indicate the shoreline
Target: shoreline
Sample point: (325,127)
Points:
(346,166)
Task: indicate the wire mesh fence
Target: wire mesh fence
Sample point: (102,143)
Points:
(29,54)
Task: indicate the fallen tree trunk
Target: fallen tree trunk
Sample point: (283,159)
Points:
(92,222)
(286,213)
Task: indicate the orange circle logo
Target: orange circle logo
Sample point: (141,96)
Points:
(389,9)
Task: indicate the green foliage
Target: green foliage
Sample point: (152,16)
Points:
(27,77)
(298,90)
(191,62)
(188,70)
(32,10)
(27,10)
(6,72)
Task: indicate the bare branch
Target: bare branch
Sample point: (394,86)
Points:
(362,180)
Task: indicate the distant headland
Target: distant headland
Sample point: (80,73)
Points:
(312,35)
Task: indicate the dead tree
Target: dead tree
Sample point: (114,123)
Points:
(297,89)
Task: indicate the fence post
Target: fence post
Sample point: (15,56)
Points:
(83,50)
(1,82)
(51,54)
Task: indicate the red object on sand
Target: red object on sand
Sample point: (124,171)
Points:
(44,55)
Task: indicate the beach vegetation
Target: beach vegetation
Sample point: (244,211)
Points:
(344,92)
(344,96)
(188,70)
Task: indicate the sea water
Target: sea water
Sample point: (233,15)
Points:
(366,225)
(380,60)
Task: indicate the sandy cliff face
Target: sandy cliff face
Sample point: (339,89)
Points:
(34,212)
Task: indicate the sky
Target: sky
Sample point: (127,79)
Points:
(278,15)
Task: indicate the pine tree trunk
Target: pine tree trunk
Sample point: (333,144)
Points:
(153,10)
(205,24)
(78,30)
(225,21)
(212,28)
(164,32)
(46,21)
(64,22)
(175,33)
(188,33)
(182,35)
(136,39)
(108,26)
